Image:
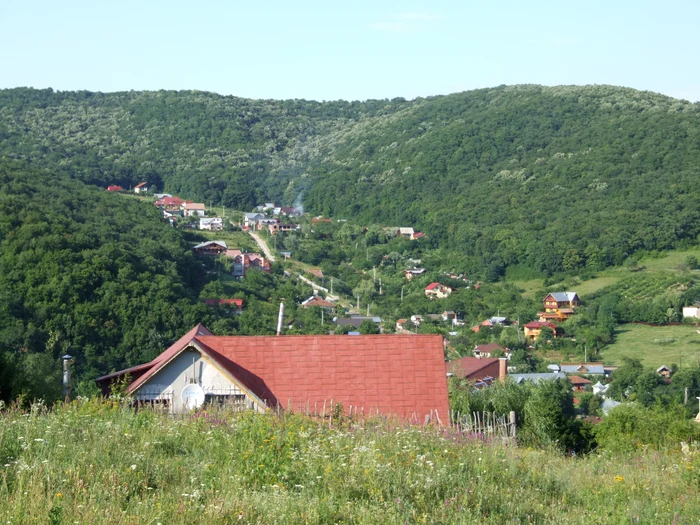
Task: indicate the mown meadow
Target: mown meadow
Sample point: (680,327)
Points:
(95,461)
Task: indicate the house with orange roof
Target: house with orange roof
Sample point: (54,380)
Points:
(141,187)
(394,375)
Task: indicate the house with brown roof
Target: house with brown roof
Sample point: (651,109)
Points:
(212,248)
(437,291)
(401,375)
(579,384)
(482,371)
(142,187)
(487,349)
(194,209)
(534,329)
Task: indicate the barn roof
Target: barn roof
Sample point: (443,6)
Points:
(391,374)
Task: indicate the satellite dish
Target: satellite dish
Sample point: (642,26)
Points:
(192,396)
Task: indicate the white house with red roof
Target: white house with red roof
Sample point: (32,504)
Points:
(401,375)
(437,291)
(141,187)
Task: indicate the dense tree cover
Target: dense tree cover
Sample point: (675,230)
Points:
(528,179)
(103,278)
(86,273)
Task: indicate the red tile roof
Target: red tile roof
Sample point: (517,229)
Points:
(114,188)
(218,302)
(390,374)
(579,381)
(432,286)
(140,185)
(539,324)
(473,368)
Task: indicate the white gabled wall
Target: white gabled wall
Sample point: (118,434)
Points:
(187,368)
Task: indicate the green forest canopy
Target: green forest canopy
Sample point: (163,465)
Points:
(530,177)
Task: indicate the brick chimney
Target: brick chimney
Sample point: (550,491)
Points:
(502,369)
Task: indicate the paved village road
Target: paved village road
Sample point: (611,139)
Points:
(263,246)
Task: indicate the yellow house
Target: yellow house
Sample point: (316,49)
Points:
(437,291)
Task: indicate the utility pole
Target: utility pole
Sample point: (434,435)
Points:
(321,316)
(380,286)
(331,285)
(367,309)
(402,294)
(374,269)
(685,400)
(358,303)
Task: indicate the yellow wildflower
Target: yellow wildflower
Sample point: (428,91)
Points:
(619,478)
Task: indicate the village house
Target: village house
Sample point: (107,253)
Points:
(599,389)
(211,223)
(534,329)
(402,325)
(416,320)
(486,350)
(692,311)
(114,187)
(141,187)
(232,305)
(211,248)
(250,220)
(316,272)
(664,371)
(170,203)
(480,371)
(410,274)
(536,377)
(242,262)
(559,306)
(393,375)
(356,321)
(319,302)
(582,368)
(437,291)
(579,384)
(194,209)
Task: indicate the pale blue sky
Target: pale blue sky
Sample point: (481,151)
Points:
(362,49)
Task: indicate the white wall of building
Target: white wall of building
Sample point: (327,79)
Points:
(190,367)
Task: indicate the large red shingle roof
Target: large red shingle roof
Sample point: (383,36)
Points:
(391,374)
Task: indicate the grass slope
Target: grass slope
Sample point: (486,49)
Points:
(94,462)
(655,345)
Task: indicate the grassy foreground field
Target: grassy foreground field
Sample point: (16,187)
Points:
(655,345)
(94,462)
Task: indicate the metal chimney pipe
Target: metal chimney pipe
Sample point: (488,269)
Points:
(279,319)
(66,375)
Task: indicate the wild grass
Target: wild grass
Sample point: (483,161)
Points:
(97,462)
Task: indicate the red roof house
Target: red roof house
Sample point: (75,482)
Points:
(479,370)
(236,304)
(437,290)
(114,187)
(402,375)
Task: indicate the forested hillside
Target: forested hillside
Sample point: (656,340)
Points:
(529,179)
(86,273)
